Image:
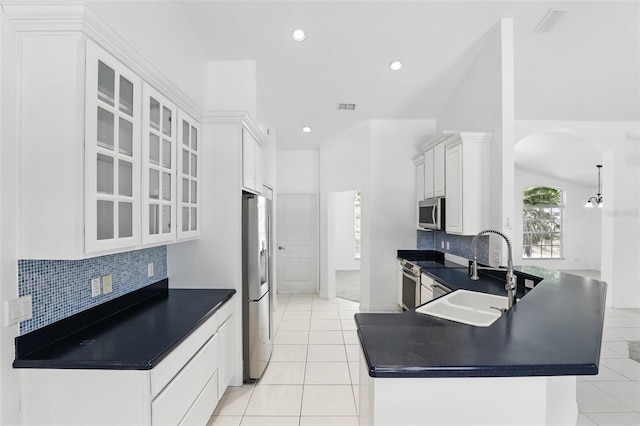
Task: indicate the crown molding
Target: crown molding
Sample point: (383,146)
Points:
(239,117)
(55,17)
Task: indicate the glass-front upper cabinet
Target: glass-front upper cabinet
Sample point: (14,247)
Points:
(159,168)
(188,177)
(112,153)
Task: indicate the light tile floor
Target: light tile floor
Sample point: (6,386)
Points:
(312,378)
(613,396)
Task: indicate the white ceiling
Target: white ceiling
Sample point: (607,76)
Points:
(586,68)
(560,155)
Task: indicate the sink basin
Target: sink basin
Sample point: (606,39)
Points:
(467,307)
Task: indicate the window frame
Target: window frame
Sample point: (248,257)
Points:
(556,218)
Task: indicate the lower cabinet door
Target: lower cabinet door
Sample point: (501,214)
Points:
(426,295)
(201,410)
(173,403)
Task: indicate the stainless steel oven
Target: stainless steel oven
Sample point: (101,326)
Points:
(410,285)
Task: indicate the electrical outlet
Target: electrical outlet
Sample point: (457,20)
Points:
(95,287)
(107,284)
(17,310)
(528,283)
(496,256)
(448,245)
(442,244)
(150,269)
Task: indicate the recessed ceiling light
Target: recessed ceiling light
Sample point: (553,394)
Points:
(395,65)
(298,35)
(306,129)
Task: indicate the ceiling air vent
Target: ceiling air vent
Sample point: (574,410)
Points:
(548,21)
(347,106)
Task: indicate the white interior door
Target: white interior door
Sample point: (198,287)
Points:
(297,243)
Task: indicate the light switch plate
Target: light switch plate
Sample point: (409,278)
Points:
(95,287)
(150,269)
(107,284)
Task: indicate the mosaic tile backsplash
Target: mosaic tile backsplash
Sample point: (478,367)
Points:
(460,245)
(61,288)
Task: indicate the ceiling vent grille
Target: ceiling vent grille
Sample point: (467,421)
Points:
(347,106)
(548,21)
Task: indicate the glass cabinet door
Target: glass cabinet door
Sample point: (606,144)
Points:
(112,145)
(188,174)
(159,182)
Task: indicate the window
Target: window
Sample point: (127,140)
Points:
(542,223)
(357,223)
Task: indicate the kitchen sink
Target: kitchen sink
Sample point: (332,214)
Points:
(467,307)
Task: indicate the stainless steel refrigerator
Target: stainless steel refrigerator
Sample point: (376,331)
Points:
(257,315)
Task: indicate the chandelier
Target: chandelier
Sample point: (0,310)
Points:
(597,200)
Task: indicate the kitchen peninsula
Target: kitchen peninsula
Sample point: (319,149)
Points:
(520,370)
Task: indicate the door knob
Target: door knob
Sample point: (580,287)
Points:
(280,248)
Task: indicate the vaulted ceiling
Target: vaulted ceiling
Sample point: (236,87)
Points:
(586,68)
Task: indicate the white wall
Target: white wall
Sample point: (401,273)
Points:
(344,235)
(215,259)
(375,157)
(581,227)
(297,172)
(232,86)
(162,34)
(344,165)
(620,238)
(484,101)
(9,403)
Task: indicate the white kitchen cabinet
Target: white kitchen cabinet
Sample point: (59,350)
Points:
(182,389)
(428,174)
(439,170)
(79,130)
(159,169)
(112,153)
(252,167)
(426,291)
(188,208)
(467,183)
(97,160)
(419,166)
(225,370)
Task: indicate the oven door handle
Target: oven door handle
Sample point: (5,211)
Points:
(413,277)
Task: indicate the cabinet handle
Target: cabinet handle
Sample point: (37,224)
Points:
(280,248)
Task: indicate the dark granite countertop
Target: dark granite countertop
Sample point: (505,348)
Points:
(136,335)
(555,330)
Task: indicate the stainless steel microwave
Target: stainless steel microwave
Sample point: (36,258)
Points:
(431,213)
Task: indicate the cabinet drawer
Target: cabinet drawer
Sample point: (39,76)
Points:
(201,410)
(162,374)
(170,407)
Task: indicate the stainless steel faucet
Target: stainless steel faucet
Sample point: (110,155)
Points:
(510,285)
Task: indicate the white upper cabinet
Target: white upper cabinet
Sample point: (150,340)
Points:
(419,165)
(438,170)
(252,167)
(188,177)
(112,153)
(99,162)
(428,174)
(159,170)
(467,183)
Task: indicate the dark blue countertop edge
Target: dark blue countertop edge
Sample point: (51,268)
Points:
(126,305)
(382,334)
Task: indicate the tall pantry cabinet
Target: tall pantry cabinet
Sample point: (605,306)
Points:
(101,167)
